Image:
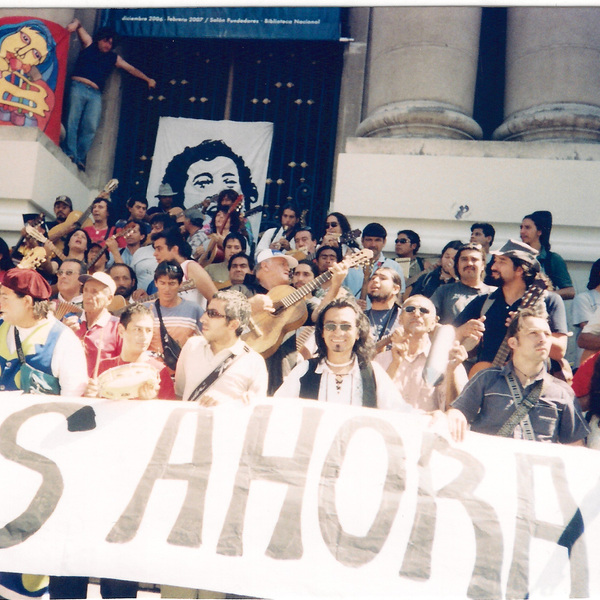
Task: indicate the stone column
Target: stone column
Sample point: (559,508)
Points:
(552,75)
(421,73)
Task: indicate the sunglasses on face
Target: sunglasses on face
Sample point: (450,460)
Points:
(402,241)
(334,326)
(211,313)
(330,225)
(422,309)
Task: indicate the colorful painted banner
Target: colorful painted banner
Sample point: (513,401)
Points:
(292,498)
(290,23)
(33,62)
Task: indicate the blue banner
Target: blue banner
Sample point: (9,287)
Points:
(302,23)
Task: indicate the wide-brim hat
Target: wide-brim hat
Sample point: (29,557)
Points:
(165,189)
(518,249)
(266,254)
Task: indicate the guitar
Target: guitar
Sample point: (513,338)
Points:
(268,329)
(33,259)
(77,219)
(35,234)
(18,250)
(211,252)
(122,233)
(532,296)
(117,305)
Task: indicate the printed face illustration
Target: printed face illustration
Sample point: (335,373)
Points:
(209,177)
(27,45)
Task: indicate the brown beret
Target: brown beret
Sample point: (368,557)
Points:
(28,283)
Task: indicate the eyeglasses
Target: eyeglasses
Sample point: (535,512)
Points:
(330,225)
(422,309)
(211,313)
(402,241)
(333,326)
(67,273)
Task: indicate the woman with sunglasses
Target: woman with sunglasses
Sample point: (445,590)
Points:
(338,233)
(343,371)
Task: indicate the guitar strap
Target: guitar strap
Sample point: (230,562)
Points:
(524,406)
(229,359)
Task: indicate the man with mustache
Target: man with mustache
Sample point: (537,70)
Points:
(469,264)
(483,321)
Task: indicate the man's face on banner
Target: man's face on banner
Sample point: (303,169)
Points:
(209,177)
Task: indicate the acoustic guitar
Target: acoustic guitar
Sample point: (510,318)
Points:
(36,235)
(76,219)
(532,296)
(268,329)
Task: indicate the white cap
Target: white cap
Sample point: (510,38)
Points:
(104,278)
(266,254)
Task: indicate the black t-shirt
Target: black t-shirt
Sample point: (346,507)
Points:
(95,65)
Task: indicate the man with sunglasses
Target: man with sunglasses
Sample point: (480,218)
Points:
(408,243)
(217,367)
(343,371)
(411,346)
(68,284)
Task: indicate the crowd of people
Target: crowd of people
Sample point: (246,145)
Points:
(182,305)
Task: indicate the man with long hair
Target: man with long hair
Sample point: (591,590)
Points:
(343,371)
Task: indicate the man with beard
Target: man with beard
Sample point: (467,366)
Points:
(63,206)
(483,321)
(521,400)
(124,277)
(383,289)
(469,264)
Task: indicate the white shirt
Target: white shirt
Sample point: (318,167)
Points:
(144,264)
(350,392)
(244,380)
(270,236)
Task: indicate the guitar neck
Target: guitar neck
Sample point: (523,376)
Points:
(530,298)
(306,289)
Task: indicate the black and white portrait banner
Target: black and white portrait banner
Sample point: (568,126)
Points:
(200,158)
(292,498)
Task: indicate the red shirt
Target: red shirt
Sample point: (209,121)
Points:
(103,334)
(99,235)
(583,376)
(166,390)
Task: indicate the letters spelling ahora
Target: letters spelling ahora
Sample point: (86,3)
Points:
(286,540)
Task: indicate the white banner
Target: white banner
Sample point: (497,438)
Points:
(200,158)
(292,498)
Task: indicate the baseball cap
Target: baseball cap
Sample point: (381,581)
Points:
(104,278)
(65,200)
(266,254)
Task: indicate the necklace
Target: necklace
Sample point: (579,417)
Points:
(334,365)
(528,378)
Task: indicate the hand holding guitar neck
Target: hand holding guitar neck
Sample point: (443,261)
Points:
(76,219)
(122,233)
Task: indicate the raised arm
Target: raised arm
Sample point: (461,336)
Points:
(123,64)
(84,37)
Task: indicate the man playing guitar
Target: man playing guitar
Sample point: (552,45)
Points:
(483,321)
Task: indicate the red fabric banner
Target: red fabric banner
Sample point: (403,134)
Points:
(33,64)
